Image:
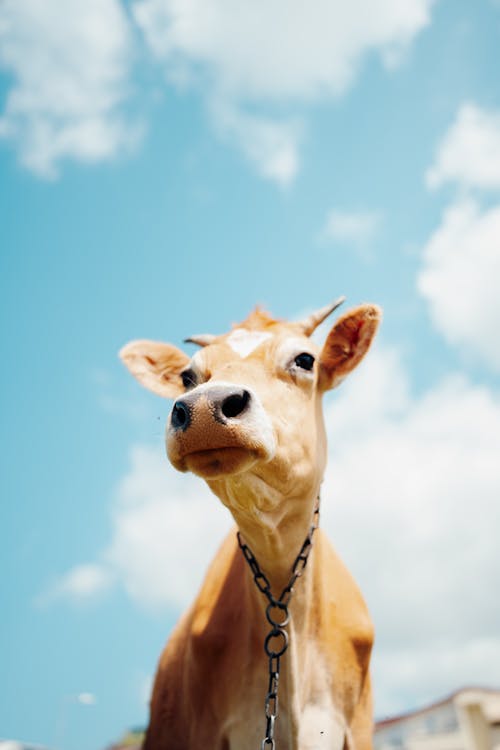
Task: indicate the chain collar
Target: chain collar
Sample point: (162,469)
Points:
(278,616)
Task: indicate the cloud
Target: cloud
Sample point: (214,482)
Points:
(276,53)
(410,500)
(87,699)
(278,49)
(255,64)
(167,528)
(460,279)
(70,64)
(469,153)
(350,228)
(81,583)
(271,145)
(460,270)
(432,670)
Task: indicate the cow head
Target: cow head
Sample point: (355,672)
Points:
(247,414)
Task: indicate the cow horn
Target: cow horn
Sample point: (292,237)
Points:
(312,321)
(203,339)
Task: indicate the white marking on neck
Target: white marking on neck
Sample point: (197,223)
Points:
(245,342)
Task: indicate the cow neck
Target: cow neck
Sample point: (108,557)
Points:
(265,575)
(278,616)
(275,544)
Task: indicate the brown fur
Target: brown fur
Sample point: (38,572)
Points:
(258,320)
(212,677)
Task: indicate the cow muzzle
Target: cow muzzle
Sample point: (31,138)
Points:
(219,429)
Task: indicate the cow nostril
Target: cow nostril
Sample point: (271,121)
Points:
(235,404)
(180,416)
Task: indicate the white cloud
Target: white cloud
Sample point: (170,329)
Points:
(411,502)
(145,689)
(87,699)
(277,49)
(81,583)
(241,53)
(271,145)
(355,228)
(460,279)
(469,153)
(460,272)
(431,670)
(166,529)
(70,64)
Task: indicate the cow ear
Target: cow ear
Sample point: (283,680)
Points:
(347,344)
(156,366)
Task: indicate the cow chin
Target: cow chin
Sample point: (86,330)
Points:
(217,462)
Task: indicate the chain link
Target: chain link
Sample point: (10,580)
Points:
(278,616)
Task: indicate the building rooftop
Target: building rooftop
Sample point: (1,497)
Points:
(467,719)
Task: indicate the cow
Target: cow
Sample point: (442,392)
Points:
(247,418)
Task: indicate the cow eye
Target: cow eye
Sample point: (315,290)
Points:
(189,379)
(305,361)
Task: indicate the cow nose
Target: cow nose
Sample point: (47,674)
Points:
(235,403)
(181,416)
(222,403)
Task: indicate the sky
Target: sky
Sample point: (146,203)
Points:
(165,165)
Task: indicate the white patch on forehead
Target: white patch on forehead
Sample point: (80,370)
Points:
(245,342)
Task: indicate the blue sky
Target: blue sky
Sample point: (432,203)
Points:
(163,168)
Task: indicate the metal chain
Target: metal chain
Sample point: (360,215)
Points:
(278,616)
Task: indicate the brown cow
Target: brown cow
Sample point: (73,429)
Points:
(248,419)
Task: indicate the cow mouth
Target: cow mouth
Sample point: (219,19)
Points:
(212,463)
